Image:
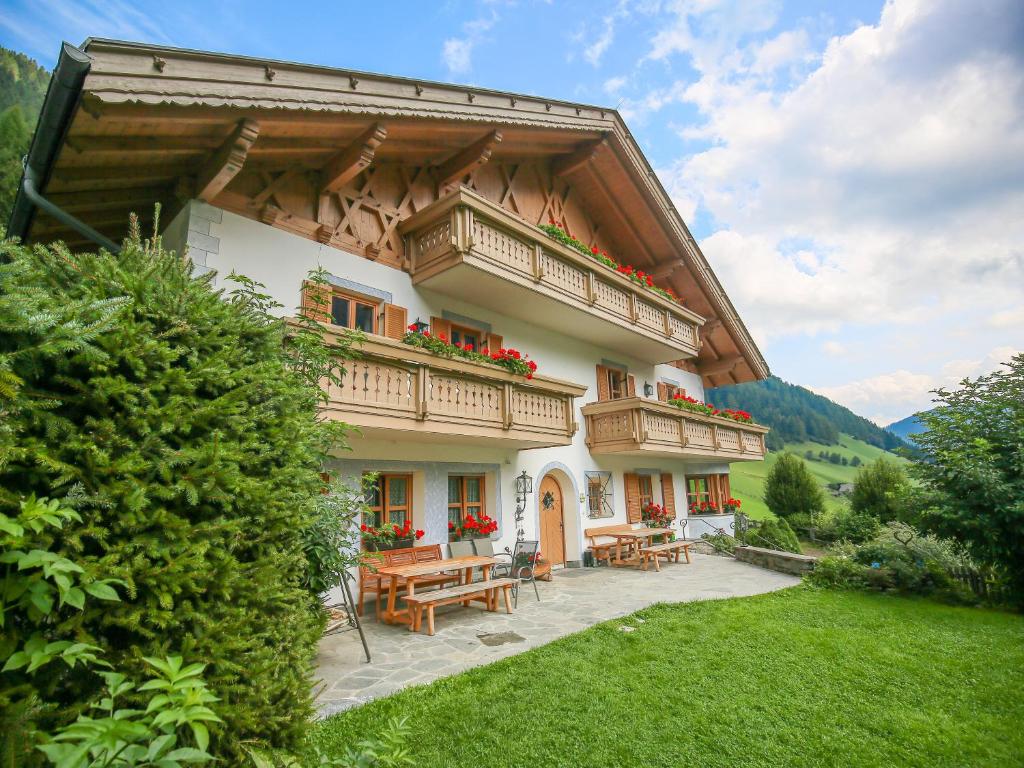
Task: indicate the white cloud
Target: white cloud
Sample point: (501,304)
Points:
(614,84)
(457,52)
(594,51)
(834,348)
(892,396)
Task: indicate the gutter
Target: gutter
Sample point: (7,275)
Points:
(59,106)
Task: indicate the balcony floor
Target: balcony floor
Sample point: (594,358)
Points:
(577,598)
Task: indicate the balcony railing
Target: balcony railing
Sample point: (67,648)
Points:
(394,390)
(470,248)
(648,427)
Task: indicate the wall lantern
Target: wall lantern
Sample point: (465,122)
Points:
(524,484)
(420,326)
(648,389)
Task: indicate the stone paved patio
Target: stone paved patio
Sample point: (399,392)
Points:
(468,637)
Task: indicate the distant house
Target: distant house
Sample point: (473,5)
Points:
(840,489)
(426,205)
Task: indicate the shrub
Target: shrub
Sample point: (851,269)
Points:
(721,542)
(880,491)
(791,490)
(848,525)
(774,534)
(190,448)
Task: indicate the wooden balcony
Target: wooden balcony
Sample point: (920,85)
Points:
(396,391)
(639,427)
(470,248)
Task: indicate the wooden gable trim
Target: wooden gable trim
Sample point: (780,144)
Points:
(227,161)
(465,160)
(352,160)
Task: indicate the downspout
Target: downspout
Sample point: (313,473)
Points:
(62,97)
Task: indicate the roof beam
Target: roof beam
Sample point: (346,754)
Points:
(716,367)
(227,161)
(465,160)
(352,160)
(577,159)
(664,270)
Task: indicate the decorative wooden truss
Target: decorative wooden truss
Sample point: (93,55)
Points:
(397,391)
(465,245)
(639,427)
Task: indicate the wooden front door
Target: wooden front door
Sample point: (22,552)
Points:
(552,537)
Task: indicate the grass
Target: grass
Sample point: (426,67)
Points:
(746,479)
(795,678)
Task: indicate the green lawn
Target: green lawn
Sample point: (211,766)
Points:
(796,678)
(746,479)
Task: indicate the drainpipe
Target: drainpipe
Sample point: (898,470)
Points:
(62,97)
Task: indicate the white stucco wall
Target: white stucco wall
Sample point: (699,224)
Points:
(281,261)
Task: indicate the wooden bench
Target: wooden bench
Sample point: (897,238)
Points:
(668,550)
(603,549)
(487,590)
(369,581)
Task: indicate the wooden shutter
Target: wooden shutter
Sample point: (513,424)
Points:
(494,342)
(604,391)
(724,485)
(440,327)
(632,483)
(663,391)
(715,489)
(630,385)
(668,493)
(394,321)
(316,301)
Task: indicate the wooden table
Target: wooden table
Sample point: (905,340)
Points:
(413,571)
(637,534)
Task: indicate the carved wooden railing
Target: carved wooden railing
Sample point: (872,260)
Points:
(465,227)
(396,388)
(637,425)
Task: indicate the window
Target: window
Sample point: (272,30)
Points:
(616,384)
(390,500)
(466,336)
(349,311)
(465,497)
(646,491)
(599,494)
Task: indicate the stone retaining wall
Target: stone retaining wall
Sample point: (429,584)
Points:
(774,560)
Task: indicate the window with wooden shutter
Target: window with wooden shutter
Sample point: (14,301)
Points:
(726,492)
(633,507)
(603,388)
(316,301)
(494,342)
(630,385)
(614,383)
(599,494)
(662,391)
(394,321)
(441,328)
(668,494)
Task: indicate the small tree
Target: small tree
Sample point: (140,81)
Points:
(790,490)
(880,490)
(972,466)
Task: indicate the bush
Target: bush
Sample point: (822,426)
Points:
(880,491)
(791,490)
(721,542)
(774,534)
(848,525)
(177,428)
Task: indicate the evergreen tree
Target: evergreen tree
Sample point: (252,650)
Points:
(880,490)
(791,490)
(190,448)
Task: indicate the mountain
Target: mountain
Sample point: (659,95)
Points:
(22,88)
(797,415)
(904,428)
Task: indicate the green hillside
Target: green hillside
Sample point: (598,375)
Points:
(22,88)
(746,479)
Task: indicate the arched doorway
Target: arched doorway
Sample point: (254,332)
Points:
(552,521)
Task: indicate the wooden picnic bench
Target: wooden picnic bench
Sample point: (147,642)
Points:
(599,544)
(373,582)
(416,574)
(486,590)
(668,550)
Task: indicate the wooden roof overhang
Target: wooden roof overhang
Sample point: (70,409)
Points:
(161,125)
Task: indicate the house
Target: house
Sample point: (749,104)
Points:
(434,207)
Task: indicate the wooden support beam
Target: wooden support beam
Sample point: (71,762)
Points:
(722,365)
(465,160)
(352,160)
(227,161)
(577,159)
(664,270)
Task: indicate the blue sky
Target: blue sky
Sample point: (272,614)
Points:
(854,171)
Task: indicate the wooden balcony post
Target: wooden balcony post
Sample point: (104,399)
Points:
(462,229)
(506,406)
(589,421)
(537,262)
(632,308)
(683,439)
(640,424)
(422,390)
(714,437)
(668,324)
(591,288)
